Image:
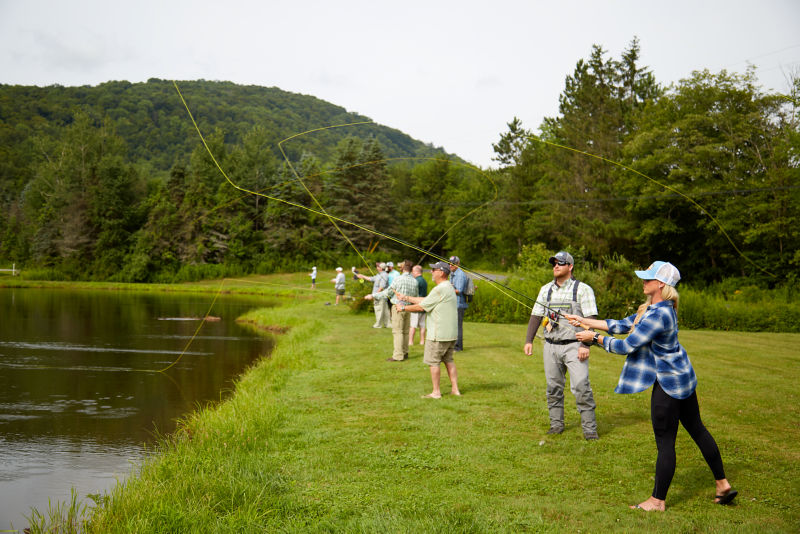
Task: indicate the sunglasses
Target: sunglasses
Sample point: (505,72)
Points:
(560,263)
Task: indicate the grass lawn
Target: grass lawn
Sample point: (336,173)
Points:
(326,436)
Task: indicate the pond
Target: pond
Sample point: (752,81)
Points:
(78,403)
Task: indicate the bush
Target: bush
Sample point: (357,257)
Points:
(45,274)
(734,304)
(701,309)
(617,293)
(199,271)
(358,304)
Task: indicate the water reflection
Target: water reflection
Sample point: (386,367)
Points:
(77,400)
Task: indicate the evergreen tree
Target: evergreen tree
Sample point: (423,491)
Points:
(718,140)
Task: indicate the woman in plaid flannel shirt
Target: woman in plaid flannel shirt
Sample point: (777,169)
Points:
(655,357)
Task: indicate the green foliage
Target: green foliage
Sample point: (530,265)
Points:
(357,292)
(201,271)
(44,274)
(746,308)
(736,304)
(111,182)
(616,291)
(715,138)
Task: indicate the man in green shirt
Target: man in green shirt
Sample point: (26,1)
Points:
(442,323)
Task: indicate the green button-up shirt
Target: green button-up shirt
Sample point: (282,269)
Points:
(442,308)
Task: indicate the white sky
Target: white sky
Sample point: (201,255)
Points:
(451,73)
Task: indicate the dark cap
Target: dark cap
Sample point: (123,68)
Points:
(442,266)
(455,260)
(562,256)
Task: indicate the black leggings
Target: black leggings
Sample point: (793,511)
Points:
(665,412)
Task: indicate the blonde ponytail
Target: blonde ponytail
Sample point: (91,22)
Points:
(640,311)
(670,293)
(667,293)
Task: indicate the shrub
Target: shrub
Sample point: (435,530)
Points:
(358,290)
(45,274)
(734,304)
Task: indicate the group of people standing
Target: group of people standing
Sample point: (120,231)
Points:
(386,283)
(567,310)
(437,315)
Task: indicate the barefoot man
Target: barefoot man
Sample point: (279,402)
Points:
(442,311)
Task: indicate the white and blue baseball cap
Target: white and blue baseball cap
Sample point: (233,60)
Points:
(662,271)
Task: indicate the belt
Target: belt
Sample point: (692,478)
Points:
(561,341)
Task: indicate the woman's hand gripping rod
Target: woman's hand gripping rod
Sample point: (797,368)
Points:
(559,313)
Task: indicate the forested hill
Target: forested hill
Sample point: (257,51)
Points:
(112,182)
(153,122)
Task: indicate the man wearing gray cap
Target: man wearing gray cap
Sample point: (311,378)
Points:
(380,281)
(442,311)
(562,351)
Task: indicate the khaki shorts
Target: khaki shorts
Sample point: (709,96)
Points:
(340,291)
(417,319)
(437,352)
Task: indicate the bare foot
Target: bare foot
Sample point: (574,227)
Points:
(650,505)
(456,393)
(432,396)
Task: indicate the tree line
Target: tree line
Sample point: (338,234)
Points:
(111,182)
(717,139)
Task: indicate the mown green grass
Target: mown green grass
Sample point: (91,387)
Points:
(326,436)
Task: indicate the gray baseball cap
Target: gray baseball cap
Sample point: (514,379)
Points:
(562,256)
(442,266)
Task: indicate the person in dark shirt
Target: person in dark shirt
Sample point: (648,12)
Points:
(418,318)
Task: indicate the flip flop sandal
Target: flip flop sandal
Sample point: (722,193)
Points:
(727,498)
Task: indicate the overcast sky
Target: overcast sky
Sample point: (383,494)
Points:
(450,73)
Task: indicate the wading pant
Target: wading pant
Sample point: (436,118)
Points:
(558,359)
(401,322)
(666,412)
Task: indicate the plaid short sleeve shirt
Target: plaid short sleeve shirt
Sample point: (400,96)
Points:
(653,353)
(405,284)
(561,294)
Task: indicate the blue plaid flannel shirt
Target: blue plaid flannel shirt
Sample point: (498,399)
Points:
(653,353)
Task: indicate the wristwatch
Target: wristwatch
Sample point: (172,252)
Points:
(402,307)
(595,338)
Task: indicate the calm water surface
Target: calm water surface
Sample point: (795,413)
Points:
(75,410)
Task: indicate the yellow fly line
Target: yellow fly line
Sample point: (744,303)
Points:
(665,186)
(334,219)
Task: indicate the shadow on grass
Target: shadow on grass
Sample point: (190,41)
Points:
(609,423)
(695,482)
(487,386)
